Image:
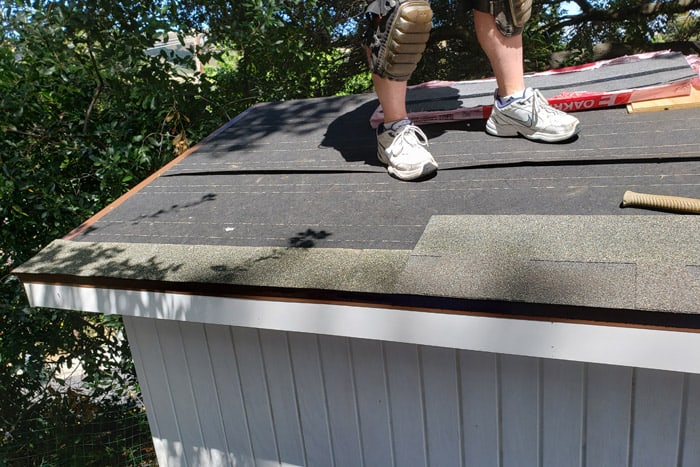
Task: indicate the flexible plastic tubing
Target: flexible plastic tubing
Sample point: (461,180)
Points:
(661,202)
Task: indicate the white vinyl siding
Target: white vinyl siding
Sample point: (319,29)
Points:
(226,395)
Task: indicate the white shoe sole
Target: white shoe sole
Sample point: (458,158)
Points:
(426,170)
(506,130)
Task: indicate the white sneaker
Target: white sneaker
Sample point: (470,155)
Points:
(532,117)
(405,152)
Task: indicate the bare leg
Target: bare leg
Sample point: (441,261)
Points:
(392,97)
(530,115)
(504,53)
(403,150)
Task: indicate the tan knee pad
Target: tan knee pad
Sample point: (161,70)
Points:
(399,31)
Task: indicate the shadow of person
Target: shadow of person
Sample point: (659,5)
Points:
(351,134)
(433,97)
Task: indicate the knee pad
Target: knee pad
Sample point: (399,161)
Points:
(397,35)
(510,15)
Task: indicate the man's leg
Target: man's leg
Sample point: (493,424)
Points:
(398,31)
(517,110)
(505,53)
(401,145)
(392,97)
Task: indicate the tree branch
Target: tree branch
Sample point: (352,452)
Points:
(98,89)
(645,10)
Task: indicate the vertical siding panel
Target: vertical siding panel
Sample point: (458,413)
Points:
(479,408)
(214,449)
(608,417)
(148,358)
(139,333)
(229,393)
(405,403)
(520,411)
(281,385)
(255,394)
(311,398)
(691,433)
(562,413)
(180,384)
(370,385)
(442,413)
(342,407)
(657,416)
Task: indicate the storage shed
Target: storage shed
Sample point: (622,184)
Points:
(289,303)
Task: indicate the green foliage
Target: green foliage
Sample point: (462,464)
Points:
(284,50)
(625,26)
(84,115)
(682,27)
(45,421)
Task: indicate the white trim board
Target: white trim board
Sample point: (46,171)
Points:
(615,345)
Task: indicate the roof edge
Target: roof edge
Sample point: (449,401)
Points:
(547,312)
(661,349)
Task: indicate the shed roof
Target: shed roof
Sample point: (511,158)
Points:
(288,200)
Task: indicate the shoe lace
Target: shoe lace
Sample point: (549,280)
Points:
(540,105)
(409,135)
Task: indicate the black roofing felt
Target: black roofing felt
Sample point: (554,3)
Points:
(305,172)
(505,220)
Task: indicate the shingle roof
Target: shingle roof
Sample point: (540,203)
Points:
(289,200)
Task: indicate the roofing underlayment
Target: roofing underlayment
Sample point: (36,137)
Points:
(289,200)
(606,83)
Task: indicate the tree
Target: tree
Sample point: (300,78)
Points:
(453,53)
(84,114)
(282,49)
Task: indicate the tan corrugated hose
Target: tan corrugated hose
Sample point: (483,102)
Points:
(661,202)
